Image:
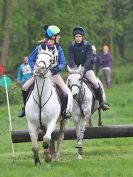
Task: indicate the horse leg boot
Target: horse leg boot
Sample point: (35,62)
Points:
(103,105)
(66,113)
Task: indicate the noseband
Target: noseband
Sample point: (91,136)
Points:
(42,75)
(78,86)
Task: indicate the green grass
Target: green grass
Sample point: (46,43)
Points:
(101,158)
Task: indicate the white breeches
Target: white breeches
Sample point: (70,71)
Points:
(57,79)
(28,83)
(90,75)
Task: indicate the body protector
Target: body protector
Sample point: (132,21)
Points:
(80,53)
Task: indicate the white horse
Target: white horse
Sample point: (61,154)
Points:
(43,108)
(84,104)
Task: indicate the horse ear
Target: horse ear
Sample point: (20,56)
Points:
(55,51)
(69,69)
(40,50)
(80,69)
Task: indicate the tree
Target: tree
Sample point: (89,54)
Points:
(5,29)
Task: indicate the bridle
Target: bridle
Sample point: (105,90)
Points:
(79,99)
(42,76)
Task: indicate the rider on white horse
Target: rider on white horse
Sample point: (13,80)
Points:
(52,35)
(80,53)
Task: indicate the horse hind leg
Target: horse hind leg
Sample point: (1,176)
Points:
(63,126)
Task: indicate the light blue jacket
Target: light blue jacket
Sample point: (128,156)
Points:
(24,73)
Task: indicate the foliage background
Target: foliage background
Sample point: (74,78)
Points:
(105,21)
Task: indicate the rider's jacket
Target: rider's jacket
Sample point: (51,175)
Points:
(24,73)
(81,54)
(61,58)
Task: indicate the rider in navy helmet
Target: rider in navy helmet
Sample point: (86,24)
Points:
(80,53)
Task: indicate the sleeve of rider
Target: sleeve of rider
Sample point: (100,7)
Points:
(32,58)
(61,59)
(89,61)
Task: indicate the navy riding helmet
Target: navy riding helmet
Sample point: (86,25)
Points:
(79,30)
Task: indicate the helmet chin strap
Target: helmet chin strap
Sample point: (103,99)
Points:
(55,39)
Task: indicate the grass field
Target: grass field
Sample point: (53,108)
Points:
(101,158)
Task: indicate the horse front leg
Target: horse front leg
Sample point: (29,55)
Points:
(46,140)
(34,136)
(77,120)
(87,117)
(63,127)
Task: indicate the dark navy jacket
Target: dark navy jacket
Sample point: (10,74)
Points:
(81,54)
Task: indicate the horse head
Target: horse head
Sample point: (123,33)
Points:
(75,80)
(45,60)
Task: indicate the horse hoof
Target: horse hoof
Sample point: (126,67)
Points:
(47,156)
(57,158)
(37,163)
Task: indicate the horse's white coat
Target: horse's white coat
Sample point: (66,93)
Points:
(83,99)
(51,108)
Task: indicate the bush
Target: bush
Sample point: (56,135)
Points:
(14,93)
(120,74)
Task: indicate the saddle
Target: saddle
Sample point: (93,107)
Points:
(93,90)
(61,98)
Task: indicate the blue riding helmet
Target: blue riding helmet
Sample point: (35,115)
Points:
(50,31)
(79,30)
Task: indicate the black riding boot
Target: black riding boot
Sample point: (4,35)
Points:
(103,105)
(66,114)
(25,95)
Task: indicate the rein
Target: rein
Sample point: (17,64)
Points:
(81,88)
(40,103)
